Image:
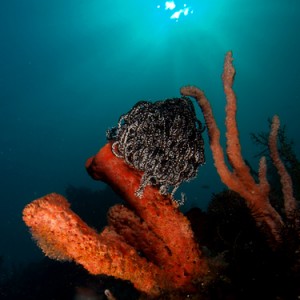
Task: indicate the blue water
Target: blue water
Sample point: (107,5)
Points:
(69,69)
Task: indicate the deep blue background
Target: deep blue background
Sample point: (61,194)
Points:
(69,69)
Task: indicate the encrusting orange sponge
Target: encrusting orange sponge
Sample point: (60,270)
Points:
(153,225)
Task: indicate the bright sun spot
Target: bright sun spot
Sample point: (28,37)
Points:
(170,5)
(177,11)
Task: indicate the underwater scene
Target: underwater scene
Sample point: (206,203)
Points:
(149,150)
